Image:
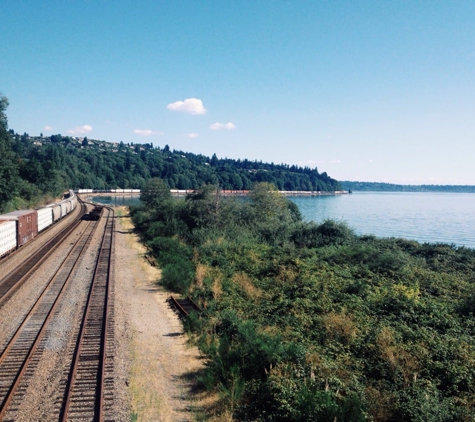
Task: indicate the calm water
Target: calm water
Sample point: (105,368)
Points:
(421,216)
(425,217)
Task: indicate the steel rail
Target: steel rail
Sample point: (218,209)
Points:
(92,330)
(76,250)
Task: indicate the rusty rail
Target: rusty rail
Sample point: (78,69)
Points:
(18,354)
(87,399)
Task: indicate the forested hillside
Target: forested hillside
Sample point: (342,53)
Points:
(102,165)
(34,166)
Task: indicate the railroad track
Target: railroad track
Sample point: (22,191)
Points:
(86,388)
(15,279)
(83,393)
(184,306)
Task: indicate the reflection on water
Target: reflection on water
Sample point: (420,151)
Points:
(118,200)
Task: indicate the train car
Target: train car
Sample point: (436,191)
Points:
(26,224)
(56,208)
(64,209)
(8,238)
(68,206)
(45,218)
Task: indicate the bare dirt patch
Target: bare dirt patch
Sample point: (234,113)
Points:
(162,366)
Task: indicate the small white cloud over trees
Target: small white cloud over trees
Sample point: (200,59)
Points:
(221,126)
(190,105)
(146,132)
(79,130)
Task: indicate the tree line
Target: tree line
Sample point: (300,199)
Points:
(32,167)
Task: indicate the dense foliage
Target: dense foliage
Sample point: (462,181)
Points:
(390,187)
(312,322)
(102,165)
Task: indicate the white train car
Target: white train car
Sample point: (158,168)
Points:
(45,218)
(8,237)
(56,208)
(64,209)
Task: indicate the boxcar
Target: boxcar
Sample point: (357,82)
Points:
(26,224)
(45,218)
(56,211)
(64,208)
(8,239)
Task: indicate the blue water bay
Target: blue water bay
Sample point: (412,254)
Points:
(422,216)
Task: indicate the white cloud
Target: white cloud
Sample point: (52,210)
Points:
(146,132)
(190,105)
(80,130)
(193,135)
(48,128)
(311,162)
(335,161)
(219,126)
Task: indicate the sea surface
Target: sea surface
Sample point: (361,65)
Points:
(423,216)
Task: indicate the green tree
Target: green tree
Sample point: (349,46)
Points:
(9,179)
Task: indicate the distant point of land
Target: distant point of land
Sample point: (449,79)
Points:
(390,187)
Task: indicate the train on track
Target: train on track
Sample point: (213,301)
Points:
(19,227)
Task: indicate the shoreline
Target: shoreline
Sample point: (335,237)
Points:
(224,192)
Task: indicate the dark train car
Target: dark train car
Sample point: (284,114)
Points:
(26,224)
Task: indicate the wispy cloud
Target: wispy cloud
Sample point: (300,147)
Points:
(311,162)
(219,126)
(48,128)
(147,132)
(190,105)
(193,135)
(335,161)
(80,130)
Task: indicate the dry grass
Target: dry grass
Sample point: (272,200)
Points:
(399,359)
(201,273)
(245,282)
(340,327)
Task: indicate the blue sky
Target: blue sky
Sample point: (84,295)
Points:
(364,90)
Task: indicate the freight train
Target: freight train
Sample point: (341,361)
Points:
(19,227)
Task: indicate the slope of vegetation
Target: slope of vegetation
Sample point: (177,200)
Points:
(103,165)
(312,322)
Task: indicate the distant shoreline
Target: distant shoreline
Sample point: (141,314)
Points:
(391,187)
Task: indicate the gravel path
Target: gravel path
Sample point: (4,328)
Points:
(162,366)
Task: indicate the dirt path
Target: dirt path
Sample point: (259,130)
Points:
(156,363)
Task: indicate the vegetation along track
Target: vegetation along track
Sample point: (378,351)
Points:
(17,277)
(20,357)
